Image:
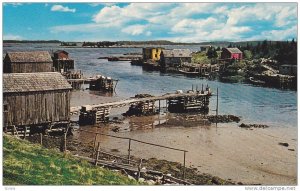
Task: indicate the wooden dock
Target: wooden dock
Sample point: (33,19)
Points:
(175,102)
(138,100)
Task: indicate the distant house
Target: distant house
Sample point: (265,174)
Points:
(231,53)
(62,62)
(204,48)
(35,99)
(175,57)
(27,62)
(151,53)
(288,70)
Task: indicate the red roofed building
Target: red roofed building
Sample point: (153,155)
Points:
(231,53)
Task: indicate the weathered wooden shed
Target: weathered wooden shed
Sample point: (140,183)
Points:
(31,99)
(62,62)
(175,57)
(27,62)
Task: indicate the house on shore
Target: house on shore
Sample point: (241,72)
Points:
(175,57)
(27,62)
(35,99)
(62,62)
(288,70)
(205,48)
(152,53)
(231,53)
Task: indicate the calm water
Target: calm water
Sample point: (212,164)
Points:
(274,107)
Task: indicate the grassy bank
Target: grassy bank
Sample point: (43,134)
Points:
(29,164)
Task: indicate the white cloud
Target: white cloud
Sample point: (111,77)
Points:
(191,22)
(13,4)
(61,8)
(12,37)
(97,4)
(134,29)
(279,34)
(193,25)
(280,14)
(109,15)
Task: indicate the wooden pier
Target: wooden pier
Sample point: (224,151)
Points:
(175,102)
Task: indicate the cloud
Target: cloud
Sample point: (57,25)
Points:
(134,29)
(12,37)
(191,22)
(13,4)
(61,8)
(97,4)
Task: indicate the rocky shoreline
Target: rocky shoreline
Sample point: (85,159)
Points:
(172,169)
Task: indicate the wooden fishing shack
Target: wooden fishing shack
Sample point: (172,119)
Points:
(62,62)
(27,62)
(102,83)
(35,101)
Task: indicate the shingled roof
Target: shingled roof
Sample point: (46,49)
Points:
(234,50)
(32,82)
(59,51)
(37,56)
(177,53)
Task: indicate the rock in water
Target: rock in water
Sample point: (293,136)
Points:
(284,144)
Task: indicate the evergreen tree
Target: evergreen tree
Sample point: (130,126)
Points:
(211,53)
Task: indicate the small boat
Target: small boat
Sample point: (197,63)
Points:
(188,73)
(256,82)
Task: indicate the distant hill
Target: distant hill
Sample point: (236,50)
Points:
(152,42)
(234,44)
(31,41)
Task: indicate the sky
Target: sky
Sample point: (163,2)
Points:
(177,22)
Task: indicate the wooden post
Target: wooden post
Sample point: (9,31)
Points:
(159,106)
(129,149)
(41,139)
(25,129)
(95,139)
(184,165)
(13,130)
(65,138)
(97,154)
(65,142)
(139,169)
(166,105)
(217,109)
(192,87)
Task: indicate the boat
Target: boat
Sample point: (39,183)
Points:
(256,82)
(189,73)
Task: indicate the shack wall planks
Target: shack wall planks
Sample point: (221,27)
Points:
(29,108)
(30,67)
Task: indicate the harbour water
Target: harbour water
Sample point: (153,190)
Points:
(270,106)
(250,156)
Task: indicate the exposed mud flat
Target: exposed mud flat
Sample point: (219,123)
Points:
(226,151)
(223,150)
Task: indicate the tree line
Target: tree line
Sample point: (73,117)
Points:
(285,52)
